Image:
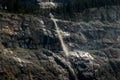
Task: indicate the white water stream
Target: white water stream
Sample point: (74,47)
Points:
(64,48)
(60,36)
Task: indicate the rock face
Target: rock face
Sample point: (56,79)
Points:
(30,48)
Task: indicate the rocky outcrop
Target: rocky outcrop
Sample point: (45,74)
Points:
(30,48)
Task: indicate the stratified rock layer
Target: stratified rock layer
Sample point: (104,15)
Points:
(30,48)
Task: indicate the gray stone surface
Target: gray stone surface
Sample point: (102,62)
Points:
(31,50)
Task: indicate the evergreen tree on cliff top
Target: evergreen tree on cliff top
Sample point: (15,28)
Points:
(24,6)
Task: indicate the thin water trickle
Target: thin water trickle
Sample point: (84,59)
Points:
(61,39)
(64,48)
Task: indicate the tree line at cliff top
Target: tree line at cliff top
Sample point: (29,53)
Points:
(19,6)
(80,5)
(30,6)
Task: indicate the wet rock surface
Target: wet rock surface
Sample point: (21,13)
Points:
(30,49)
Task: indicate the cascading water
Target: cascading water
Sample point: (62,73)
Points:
(60,37)
(64,48)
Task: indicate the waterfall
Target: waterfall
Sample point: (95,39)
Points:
(71,70)
(60,37)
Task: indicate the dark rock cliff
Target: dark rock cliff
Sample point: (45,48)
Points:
(31,50)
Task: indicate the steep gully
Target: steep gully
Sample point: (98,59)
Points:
(71,70)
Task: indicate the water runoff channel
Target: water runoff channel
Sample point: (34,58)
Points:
(65,49)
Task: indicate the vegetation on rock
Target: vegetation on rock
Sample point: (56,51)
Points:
(19,6)
(79,5)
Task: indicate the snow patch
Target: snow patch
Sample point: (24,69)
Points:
(65,34)
(42,22)
(71,44)
(47,5)
(82,54)
(19,60)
